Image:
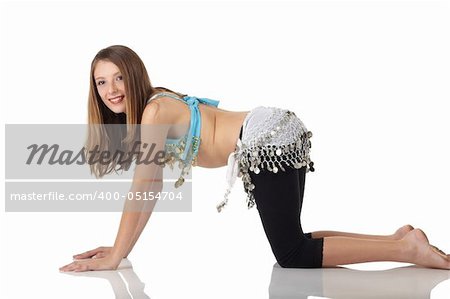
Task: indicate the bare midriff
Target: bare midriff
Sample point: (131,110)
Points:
(219,129)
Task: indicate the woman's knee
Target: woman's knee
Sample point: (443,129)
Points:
(308,253)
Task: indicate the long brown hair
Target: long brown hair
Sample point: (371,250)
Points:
(110,131)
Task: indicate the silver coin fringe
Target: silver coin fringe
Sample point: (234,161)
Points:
(172,156)
(260,154)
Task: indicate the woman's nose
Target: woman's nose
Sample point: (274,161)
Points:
(112,88)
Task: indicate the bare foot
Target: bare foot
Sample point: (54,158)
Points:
(420,251)
(402,231)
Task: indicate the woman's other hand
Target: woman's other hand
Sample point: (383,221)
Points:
(103,263)
(98,252)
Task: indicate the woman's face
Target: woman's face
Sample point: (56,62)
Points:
(110,85)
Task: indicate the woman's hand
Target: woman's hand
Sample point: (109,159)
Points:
(98,252)
(104,263)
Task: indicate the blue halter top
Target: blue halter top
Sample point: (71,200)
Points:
(184,150)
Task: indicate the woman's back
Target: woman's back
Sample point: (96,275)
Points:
(219,128)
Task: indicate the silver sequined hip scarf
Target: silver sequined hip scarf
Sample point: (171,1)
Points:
(272,139)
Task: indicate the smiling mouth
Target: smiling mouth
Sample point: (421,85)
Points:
(116,100)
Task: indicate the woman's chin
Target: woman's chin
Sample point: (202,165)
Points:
(118,110)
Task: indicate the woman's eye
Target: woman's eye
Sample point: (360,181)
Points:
(100,82)
(119,78)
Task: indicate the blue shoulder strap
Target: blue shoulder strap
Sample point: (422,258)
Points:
(196,121)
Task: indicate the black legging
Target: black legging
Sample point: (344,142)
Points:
(279,198)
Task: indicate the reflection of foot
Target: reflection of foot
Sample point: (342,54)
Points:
(355,284)
(402,231)
(420,251)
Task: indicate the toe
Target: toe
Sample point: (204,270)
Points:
(408,227)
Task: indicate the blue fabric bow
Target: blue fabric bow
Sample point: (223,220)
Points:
(196,122)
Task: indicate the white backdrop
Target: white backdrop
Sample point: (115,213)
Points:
(370,79)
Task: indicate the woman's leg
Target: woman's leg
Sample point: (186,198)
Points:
(400,233)
(413,248)
(279,199)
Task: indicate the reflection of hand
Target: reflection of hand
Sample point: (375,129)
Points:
(104,263)
(94,253)
(124,281)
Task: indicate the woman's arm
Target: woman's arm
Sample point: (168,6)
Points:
(134,218)
(143,219)
(147,178)
(132,223)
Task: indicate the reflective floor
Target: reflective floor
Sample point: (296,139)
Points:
(172,262)
(405,282)
(409,282)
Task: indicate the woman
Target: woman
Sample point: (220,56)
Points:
(267,147)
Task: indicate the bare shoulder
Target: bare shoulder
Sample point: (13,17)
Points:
(151,114)
(163,110)
(153,125)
